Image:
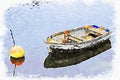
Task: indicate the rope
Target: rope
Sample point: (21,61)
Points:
(12,37)
(14,70)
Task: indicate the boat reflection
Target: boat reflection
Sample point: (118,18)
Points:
(17,62)
(55,60)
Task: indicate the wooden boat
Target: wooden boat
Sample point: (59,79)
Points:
(78,38)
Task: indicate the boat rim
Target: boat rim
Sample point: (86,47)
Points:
(109,33)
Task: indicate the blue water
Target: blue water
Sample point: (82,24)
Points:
(32,24)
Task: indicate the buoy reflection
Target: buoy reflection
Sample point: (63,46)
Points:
(17,62)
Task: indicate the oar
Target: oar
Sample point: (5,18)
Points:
(12,37)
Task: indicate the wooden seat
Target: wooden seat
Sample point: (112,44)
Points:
(74,38)
(100,31)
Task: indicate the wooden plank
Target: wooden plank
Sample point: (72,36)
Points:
(98,30)
(75,39)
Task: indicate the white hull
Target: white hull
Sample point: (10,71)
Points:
(80,45)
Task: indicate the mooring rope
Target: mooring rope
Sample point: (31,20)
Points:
(12,37)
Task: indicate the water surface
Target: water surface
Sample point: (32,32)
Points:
(32,24)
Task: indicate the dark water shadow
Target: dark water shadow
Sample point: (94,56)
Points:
(56,59)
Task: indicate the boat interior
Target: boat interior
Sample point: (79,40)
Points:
(76,35)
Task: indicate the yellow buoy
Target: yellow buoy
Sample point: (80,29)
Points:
(17,51)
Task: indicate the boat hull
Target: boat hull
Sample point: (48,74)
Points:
(72,47)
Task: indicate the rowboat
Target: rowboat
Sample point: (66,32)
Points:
(78,38)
